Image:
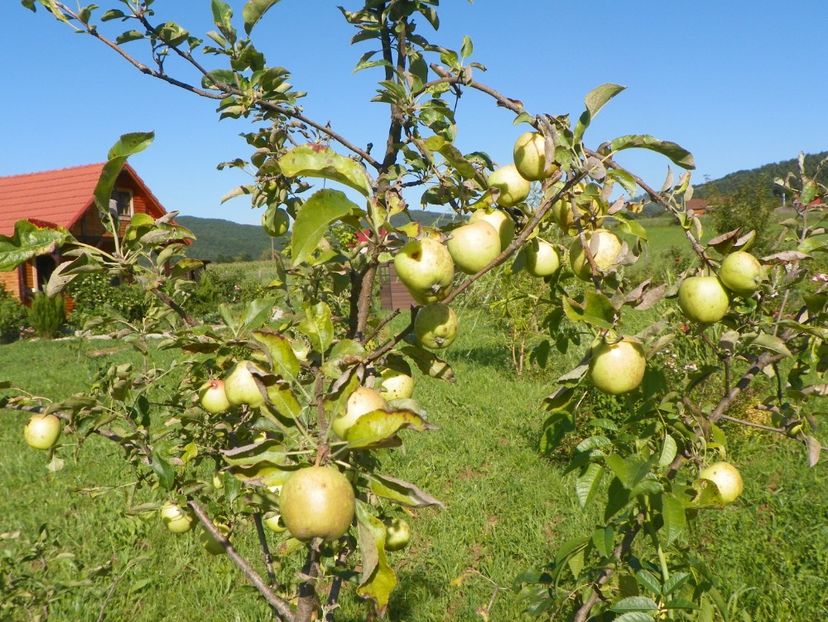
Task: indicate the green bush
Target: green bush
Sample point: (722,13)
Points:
(95,296)
(12,317)
(47,315)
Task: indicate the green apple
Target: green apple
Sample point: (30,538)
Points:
(213,397)
(42,431)
(175,518)
(397,535)
(396,381)
(425,267)
(561,214)
(741,273)
(211,544)
(703,299)
(617,367)
(530,157)
(361,402)
(541,258)
(317,502)
(435,326)
(727,479)
(605,248)
(473,246)
(513,188)
(241,386)
(275,221)
(500,220)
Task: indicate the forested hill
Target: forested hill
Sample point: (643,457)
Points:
(225,241)
(727,185)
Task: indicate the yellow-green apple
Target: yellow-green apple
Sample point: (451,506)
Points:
(473,246)
(42,431)
(425,267)
(703,299)
(498,219)
(435,326)
(175,518)
(397,535)
(241,386)
(727,478)
(741,273)
(604,247)
(541,258)
(530,157)
(317,502)
(617,367)
(513,188)
(361,402)
(213,397)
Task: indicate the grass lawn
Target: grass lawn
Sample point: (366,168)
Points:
(508,507)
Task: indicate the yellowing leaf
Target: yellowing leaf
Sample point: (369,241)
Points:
(320,161)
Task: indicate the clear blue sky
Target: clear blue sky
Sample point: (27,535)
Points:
(738,83)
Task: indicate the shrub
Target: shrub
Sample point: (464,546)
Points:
(47,315)
(96,296)
(12,317)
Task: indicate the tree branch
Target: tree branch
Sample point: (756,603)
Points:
(279,605)
(308,600)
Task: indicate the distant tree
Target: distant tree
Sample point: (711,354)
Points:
(748,208)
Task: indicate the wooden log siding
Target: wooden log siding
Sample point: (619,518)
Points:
(393,294)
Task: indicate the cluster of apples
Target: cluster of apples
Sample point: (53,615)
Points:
(705,299)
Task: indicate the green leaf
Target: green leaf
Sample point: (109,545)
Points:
(223,18)
(346,352)
(29,241)
(594,101)
(378,579)
(467,48)
(629,471)
(771,343)
(634,603)
(675,520)
(648,581)
(602,539)
(675,581)
(284,401)
(282,358)
(126,146)
(400,491)
(378,427)
(596,309)
(313,219)
(130,35)
(319,161)
(253,11)
(675,152)
(318,326)
(164,471)
(271,452)
(428,363)
(588,483)
(635,616)
(668,451)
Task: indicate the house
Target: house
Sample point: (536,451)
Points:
(698,207)
(65,198)
(393,293)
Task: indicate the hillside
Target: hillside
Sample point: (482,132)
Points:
(225,241)
(727,185)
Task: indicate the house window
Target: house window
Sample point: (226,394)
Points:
(120,203)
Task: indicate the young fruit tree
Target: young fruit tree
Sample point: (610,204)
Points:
(272,418)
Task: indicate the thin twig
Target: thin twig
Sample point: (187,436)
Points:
(308,600)
(268,558)
(281,607)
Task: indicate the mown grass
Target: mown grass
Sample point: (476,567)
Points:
(508,507)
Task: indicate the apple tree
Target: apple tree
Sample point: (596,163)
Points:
(269,420)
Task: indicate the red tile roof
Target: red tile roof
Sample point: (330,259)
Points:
(58,197)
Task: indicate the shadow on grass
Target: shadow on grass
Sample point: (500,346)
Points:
(495,356)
